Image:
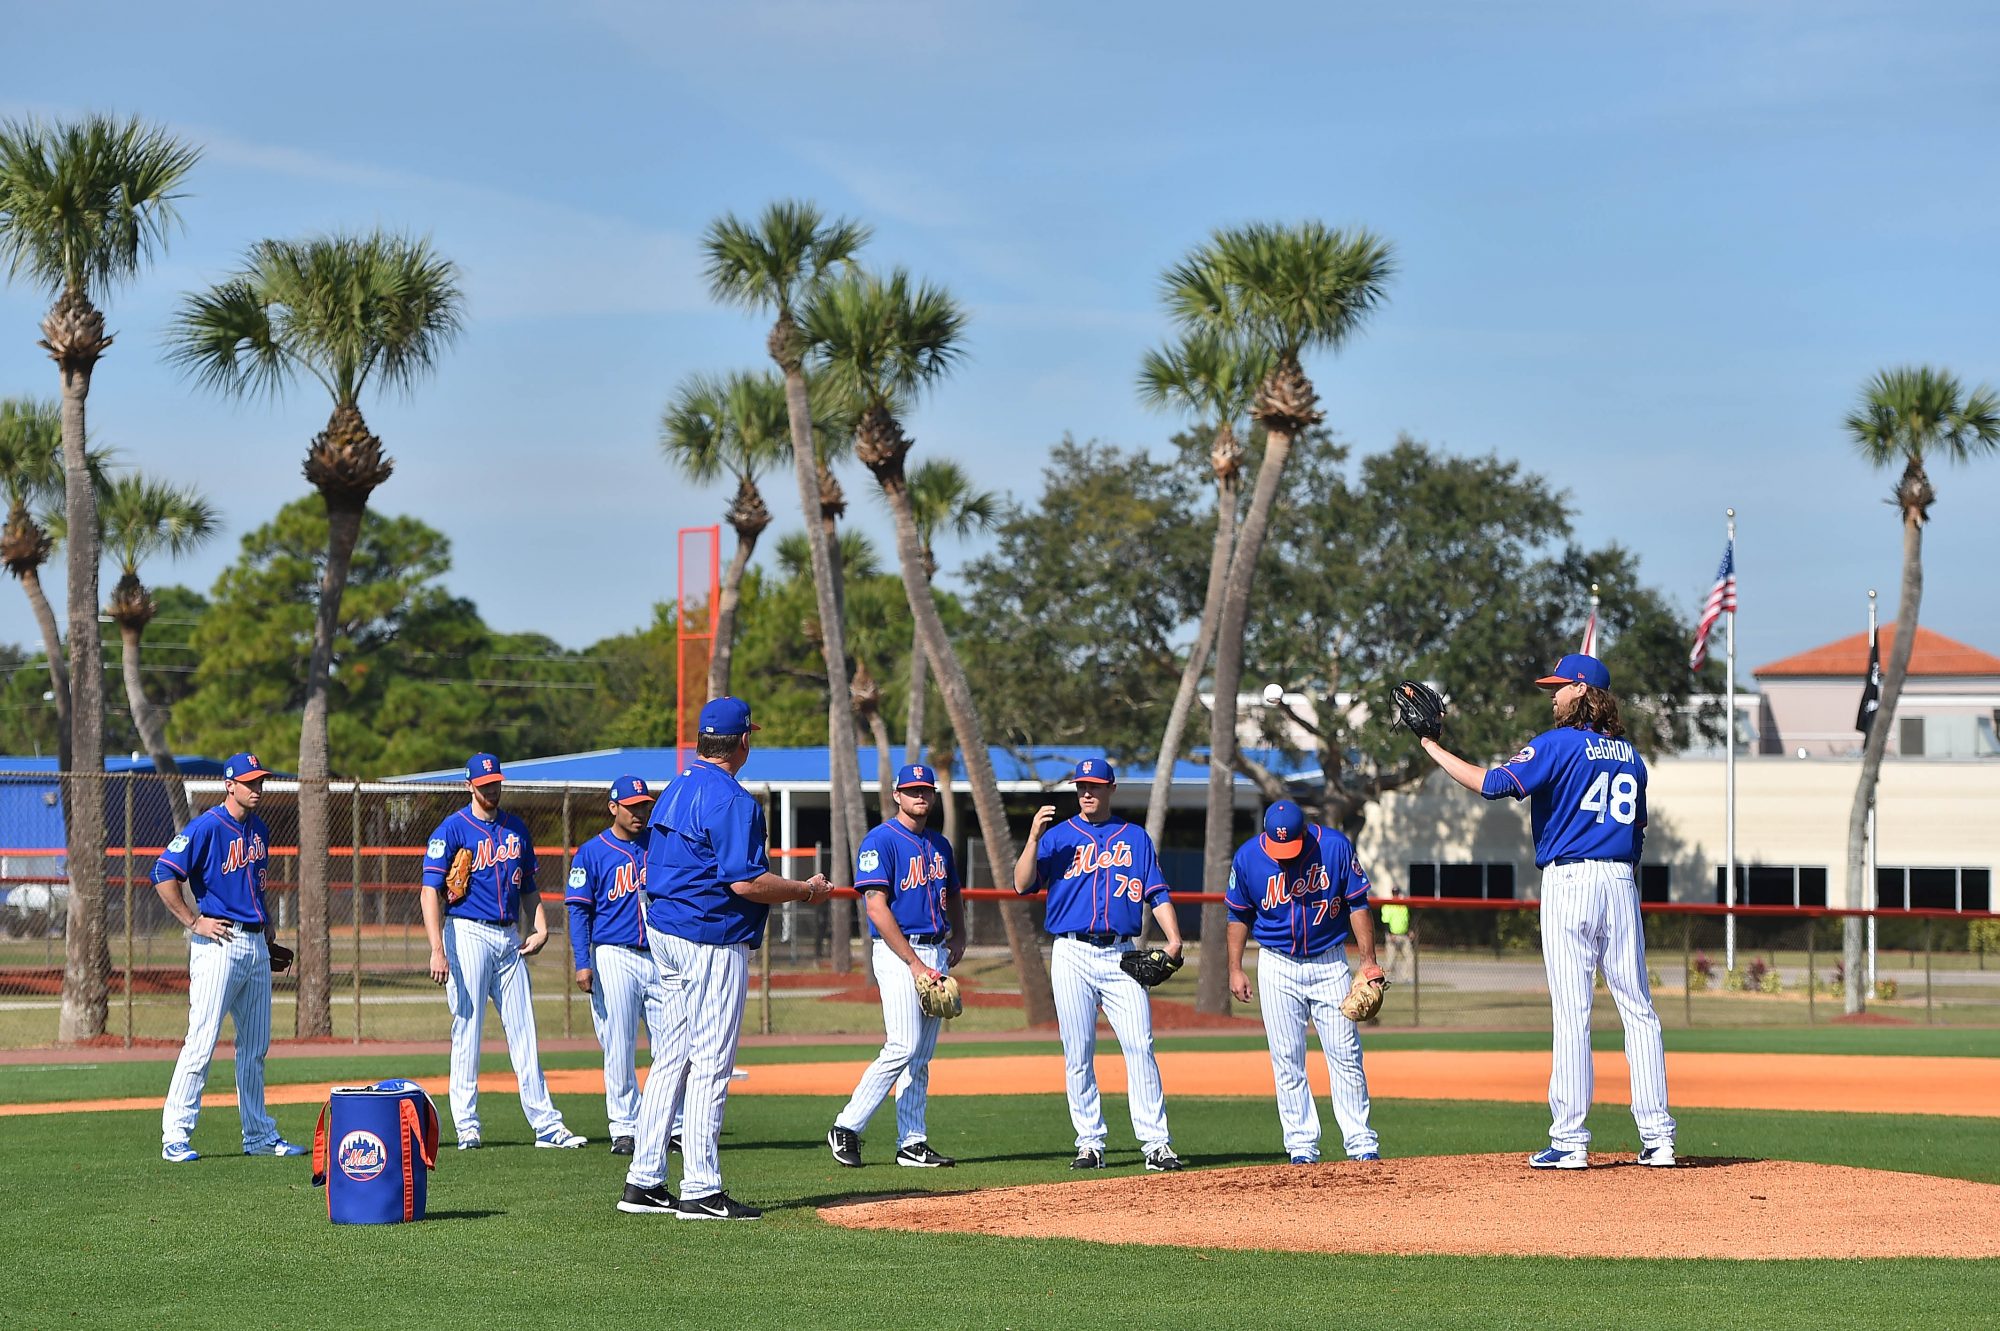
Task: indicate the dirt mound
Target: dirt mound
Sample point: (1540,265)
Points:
(1476,1205)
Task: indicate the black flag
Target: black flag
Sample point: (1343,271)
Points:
(1871,692)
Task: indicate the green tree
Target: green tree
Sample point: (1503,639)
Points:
(1284,290)
(341,310)
(31,474)
(84,205)
(141,518)
(735,427)
(884,341)
(1906,416)
(776,264)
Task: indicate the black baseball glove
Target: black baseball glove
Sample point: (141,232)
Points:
(1419,707)
(1150,966)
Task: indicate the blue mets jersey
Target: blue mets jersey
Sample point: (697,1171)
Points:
(1586,793)
(605,880)
(1298,906)
(223,861)
(503,864)
(1099,876)
(707,832)
(915,870)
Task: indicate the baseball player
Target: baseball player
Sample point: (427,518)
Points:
(607,938)
(917,918)
(1586,787)
(221,854)
(1100,871)
(1297,890)
(477,951)
(709,887)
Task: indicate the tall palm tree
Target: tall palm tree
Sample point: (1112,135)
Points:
(141,518)
(867,699)
(1214,379)
(886,340)
(857,554)
(31,474)
(84,205)
(1286,290)
(942,499)
(729,427)
(775,264)
(343,311)
(1907,415)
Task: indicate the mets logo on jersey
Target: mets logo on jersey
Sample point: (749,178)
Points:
(242,853)
(1089,859)
(1526,755)
(1278,891)
(362,1155)
(625,881)
(922,871)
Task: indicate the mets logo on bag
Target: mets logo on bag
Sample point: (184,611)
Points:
(362,1155)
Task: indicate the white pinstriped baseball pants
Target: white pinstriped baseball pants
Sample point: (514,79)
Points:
(485,962)
(1084,978)
(1590,919)
(1290,992)
(625,990)
(232,977)
(910,1038)
(706,987)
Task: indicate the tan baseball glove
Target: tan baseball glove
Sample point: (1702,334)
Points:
(458,878)
(937,996)
(1364,1000)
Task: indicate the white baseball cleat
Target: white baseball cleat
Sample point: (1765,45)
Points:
(1659,1156)
(1557,1158)
(560,1138)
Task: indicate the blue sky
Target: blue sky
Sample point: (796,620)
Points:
(1652,251)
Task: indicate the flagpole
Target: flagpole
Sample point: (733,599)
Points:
(1729,752)
(1873,898)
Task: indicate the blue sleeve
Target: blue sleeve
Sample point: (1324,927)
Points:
(1347,875)
(737,835)
(582,915)
(1524,773)
(174,860)
(437,857)
(1236,896)
(871,865)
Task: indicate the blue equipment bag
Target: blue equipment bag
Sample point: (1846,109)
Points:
(372,1150)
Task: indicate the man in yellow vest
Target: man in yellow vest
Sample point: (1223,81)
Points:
(1396,919)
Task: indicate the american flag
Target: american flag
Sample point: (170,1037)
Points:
(1721,597)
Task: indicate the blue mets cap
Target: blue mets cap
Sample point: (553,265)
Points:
(916,774)
(1576,668)
(630,790)
(243,767)
(1284,830)
(1094,771)
(727,716)
(481,768)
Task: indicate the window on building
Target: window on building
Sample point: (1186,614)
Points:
(1655,882)
(1775,885)
(1910,734)
(1933,888)
(1478,882)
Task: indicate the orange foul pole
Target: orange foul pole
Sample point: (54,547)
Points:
(694,629)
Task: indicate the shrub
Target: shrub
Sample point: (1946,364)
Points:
(1733,981)
(1697,982)
(1704,967)
(1772,983)
(1753,975)
(1885,990)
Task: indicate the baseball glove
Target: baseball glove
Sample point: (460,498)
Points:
(1150,966)
(1364,1000)
(458,878)
(281,957)
(1419,707)
(937,996)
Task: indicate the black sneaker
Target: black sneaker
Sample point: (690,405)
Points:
(655,1200)
(845,1143)
(715,1206)
(1088,1158)
(1163,1161)
(919,1155)
(621,1146)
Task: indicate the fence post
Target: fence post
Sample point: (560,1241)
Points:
(1416,979)
(1687,972)
(354,798)
(1929,923)
(130,777)
(1812,963)
(569,858)
(764,965)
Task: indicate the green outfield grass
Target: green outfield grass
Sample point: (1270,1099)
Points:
(100,1232)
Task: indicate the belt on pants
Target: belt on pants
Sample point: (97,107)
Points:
(475,919)
(926,938)
(629,947)
(1098,940)
(243,925)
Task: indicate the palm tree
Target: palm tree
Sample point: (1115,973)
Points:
(775,264)
(84,205)
(1905,415)
(31,473)
(866,696)
(1213,379)
(342,310)
(942,499)
(885,340)
(142,518)
(734,427)
(857,555)
(1285,290)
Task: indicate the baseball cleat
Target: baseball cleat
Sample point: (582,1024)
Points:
(1163,1161)
(845,1143)
(560,1138)
(1088,1157)
(278,1147)
(715,1206)
(470,1142)
(1305,1160)
(655,1200)
(919,1155)
(1367,1155)
(179,1153)
(1557,1158)
(1659,1157)
(621,1146)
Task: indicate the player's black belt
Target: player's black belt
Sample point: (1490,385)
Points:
(244,925)
(926,938)
(1099,940)
(629,947)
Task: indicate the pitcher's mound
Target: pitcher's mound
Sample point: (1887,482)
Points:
(1473,1205)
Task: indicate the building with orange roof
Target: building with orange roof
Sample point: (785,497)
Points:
(1950,707)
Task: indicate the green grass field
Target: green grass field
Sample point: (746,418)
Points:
(100,1232)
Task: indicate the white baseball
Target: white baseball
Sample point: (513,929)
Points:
(1273,694)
